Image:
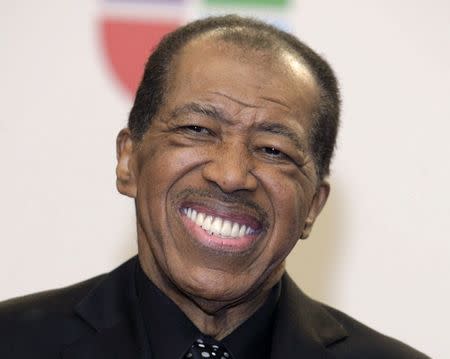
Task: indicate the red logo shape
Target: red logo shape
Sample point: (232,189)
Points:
(128,43)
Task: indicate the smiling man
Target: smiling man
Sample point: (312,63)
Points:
(226,155)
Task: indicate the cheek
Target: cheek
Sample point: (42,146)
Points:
(289,192)
(164,166)
(290,195)
(160,169)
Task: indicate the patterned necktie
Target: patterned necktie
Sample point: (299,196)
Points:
(203,350)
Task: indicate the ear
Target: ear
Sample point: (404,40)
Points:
(126,177)
(318,202)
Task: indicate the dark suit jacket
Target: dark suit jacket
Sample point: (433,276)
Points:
(99,319)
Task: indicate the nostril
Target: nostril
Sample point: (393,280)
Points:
(229,179)
(230,168)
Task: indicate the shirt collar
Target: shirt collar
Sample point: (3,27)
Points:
(169,330)
(253,338)
(171,333)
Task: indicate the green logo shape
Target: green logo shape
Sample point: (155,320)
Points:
(248,2)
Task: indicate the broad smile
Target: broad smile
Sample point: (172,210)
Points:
(228,232)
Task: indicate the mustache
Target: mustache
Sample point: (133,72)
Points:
(236,198)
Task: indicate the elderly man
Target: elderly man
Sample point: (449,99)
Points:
(226,154)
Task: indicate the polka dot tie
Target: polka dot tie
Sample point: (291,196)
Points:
(201,350)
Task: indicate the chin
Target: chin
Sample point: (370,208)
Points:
(209,284)
(212,288)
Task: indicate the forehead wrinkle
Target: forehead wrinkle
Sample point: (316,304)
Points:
(277,101)
(234,100)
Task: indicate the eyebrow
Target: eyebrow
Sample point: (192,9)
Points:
(200,109)
(217,114)
(282,130)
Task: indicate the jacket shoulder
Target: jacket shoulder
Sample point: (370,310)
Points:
(366,342)
(38,305)
(36,325)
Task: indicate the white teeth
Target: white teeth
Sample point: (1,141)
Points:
(217,225)
(200,219)
(207,223)
(226,229)
(242,230)
(194,215)
(235,230)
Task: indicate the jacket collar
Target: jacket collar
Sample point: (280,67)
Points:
(302,328)
(111,311)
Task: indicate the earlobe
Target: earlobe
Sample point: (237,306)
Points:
(318,202)
(126,177)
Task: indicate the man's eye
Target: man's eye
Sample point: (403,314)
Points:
(196,129)
(273,152)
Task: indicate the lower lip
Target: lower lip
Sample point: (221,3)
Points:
(222,244)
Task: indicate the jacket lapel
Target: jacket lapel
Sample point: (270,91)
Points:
(303,328)
(111,311)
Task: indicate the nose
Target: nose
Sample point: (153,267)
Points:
(230,168)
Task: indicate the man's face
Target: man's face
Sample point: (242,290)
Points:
(224,180)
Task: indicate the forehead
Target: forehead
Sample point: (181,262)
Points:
(265,80)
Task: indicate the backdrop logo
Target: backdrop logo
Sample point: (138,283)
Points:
(248,2)
(128,44)
(131,29)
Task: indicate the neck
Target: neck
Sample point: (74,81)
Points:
(214,318)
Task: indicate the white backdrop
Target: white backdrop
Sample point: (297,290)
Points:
(380,251)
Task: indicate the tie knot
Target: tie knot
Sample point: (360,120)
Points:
(206,348)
